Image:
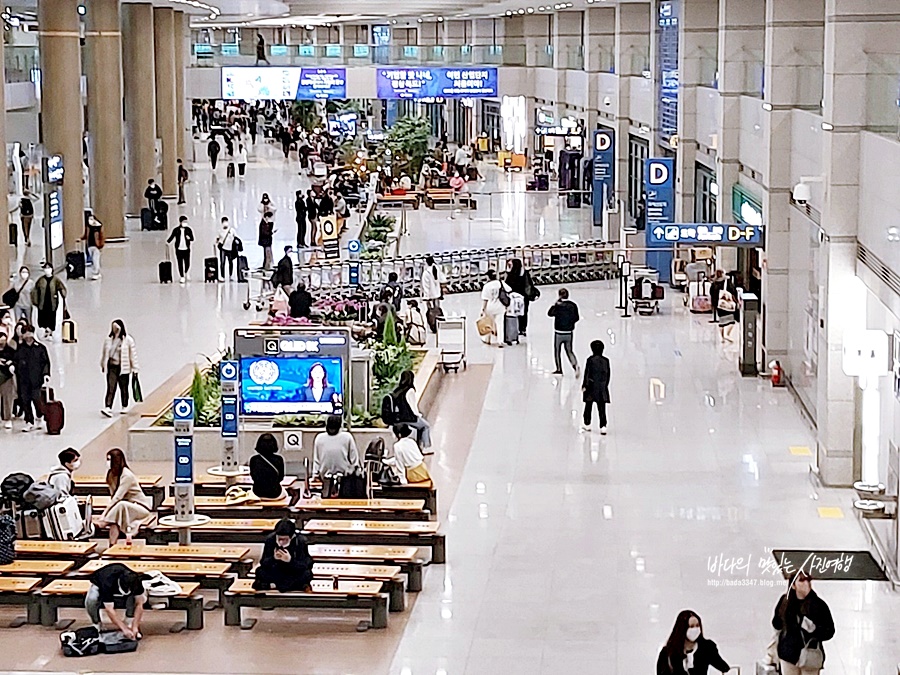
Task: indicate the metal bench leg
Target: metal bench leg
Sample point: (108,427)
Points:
(232,610)
(439,549)
(414,576)
(49,611)
(431,503)
(195,612)
(380,611)
(34,610)
(397,595)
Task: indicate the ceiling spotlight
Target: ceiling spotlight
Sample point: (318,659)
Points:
(440,19)
(82,10)
(508,13)
(530,10)
(520,11)
(394,21)
(419,20)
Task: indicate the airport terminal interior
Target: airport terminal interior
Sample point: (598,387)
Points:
(450,337)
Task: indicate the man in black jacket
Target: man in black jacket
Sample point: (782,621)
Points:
(153,194)
(32,370)
(182,236)
(565,316)
(285,563)
(595,387)
(300,302)
(300,217)
(284,271)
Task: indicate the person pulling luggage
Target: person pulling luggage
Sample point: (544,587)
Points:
(32,370)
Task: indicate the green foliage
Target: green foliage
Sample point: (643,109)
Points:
(408,141)
(379,227)
(390,337)
(304,114)
(358,418)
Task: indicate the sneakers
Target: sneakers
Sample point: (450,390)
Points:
(123,411)
(30,427)
(181,281)
(603,431)
(7,424)
(585,427)
(556,372)
(106,412)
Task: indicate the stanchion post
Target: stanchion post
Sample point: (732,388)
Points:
(624,274)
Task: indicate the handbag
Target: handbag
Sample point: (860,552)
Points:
(726,303)
(136,392)
(485,325)
(503,296)
(811,658)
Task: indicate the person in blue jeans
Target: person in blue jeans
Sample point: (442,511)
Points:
(565,316)
(116,583)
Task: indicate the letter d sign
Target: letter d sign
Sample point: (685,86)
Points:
(602,141)
(659,173)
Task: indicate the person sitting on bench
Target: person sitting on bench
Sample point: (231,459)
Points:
(60,476)
(128,505)
(267,468)
(285,563)
(117,582)
(407,461)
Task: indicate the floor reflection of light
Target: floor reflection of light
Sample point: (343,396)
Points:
(482,511)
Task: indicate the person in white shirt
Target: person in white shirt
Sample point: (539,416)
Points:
(432,278)
(182,236)
(225,242)
(407,461)
(461,159)
(241,159)
(405,182)
(60,476)
(492,306)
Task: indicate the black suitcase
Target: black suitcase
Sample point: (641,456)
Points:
(542,181)
(162,221)
(115,642)
(432,316)
(229,172)
(147,219)
(165,272)
(75,265)
(510,329)
(162,207)
(210,270)
(243,268)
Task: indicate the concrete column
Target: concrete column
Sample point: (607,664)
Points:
(61,109)
(852,30)
(140,102)
(166,117)
(104,74)
(183,139)
(632,42)
(696,57)
(5,243)
(794,32)
(742,39)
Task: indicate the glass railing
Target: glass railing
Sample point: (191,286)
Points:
(882,103)
(535,56)
(21,62)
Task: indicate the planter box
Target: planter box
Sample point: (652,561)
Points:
(154,444)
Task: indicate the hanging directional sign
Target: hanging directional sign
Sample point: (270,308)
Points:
(705,234)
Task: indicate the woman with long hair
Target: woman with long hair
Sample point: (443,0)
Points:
(128,505)
(687,651)
(267,468)
(119,362)
(317,389)
(803,621)
(519,280)
(407,408)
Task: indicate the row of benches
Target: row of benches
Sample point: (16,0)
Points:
(431,198)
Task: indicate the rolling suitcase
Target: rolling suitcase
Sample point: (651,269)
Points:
(510,329)
(432,316)
(243,268)
(165,272)
(54,412)
(542,181)
(69,331)
(75,264)
(210,270)
(146,219)
(229,172)
(63,521)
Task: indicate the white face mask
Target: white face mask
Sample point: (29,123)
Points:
(76,465)
(24,274)
(48,272)
(692,634)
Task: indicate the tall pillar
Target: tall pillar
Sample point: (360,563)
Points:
(697,45)
(741,42)
(140,102)
(183,138)
(61,110)
(104,74)
(5,243)
(166,122)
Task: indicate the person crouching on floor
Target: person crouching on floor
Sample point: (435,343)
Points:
(285,563)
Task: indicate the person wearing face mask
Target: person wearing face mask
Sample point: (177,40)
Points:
(61,475)
(803,621)
(32,369)
(285,562)
(128,505)
(24,307)
(45,296)
(94,239)
(7,378)
(687,652)
(119,362)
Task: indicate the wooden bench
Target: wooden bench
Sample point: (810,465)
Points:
(388,575)
(406,491)
(37,568)
(71,593)
(218,530)
(22,591)
(207,485)
(411,198)
(349,595)
(402,532)
(215,575)
(404,557)
(95,486)
(101,529)
(79,551)
(215,507)
(236,556)
(435,196)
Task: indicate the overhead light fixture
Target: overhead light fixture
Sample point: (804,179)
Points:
(508,13)
(530,10)
(440,19)
(520,11)
(767,106)
(827,127)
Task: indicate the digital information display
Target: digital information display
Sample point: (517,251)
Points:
(280,84)
(293,371)
(417,83)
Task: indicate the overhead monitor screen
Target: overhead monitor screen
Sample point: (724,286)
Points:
(292,385)
(280,84)
(418,83)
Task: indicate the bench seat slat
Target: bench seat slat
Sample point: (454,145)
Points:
(82,586)
(319,586)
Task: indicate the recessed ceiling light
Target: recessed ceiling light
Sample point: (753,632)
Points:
(508,13)
(530,10)
(520,11)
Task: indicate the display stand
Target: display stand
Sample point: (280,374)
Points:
(229,467)
(184,518)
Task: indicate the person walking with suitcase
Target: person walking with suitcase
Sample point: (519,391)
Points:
(182,236)
(94,240)
(494,301)
(565,316)
(119,361)
(32,370)
(595,387)
(153,194)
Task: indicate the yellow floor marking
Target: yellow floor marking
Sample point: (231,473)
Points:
(801,451)
(831,512)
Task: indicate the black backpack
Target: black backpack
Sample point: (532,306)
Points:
(7,539)
(14,486)
(375,450)
(389,412)
(80,642)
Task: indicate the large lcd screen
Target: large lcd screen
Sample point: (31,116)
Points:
(280,84)
(416,83)
(292,385)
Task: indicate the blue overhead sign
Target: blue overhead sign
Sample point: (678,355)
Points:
(417,83)
(659,188)
(322,83)
(604,172)
(705,234)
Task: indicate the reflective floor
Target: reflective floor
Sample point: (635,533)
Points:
(567,551)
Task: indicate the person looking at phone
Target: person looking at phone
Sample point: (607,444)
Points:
(285,563)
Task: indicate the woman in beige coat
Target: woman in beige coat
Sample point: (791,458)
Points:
(128,505)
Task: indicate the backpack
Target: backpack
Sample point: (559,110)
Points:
(389,412)
(41,495)
(375,450)
(14,486)
(80,642)
(7,539)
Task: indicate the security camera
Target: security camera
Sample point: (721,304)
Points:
(802,193)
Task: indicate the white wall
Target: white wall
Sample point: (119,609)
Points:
(607,87)
(707,115)
(806,153)
(754,131)
(641,102)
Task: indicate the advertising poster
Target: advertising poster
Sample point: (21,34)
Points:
(282,84)
(416,83)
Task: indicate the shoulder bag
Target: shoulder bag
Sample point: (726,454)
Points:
(811,657)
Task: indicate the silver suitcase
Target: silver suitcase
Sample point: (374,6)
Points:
(63,521)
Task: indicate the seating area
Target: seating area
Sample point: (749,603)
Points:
(435,196)
(409,199)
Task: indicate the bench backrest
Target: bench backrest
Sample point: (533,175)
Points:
(389,526)
(55,548)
